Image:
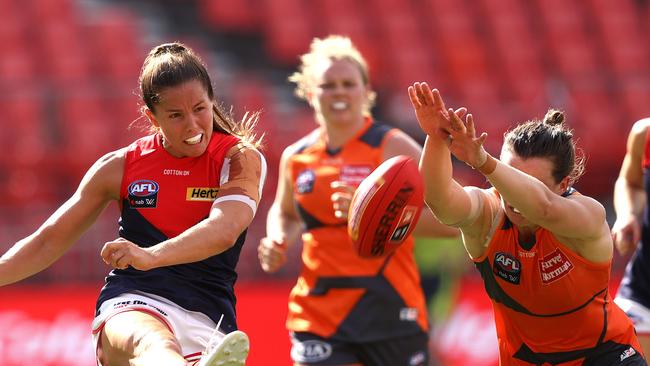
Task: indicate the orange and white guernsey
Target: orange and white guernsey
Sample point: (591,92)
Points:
(339,294)
(551,306)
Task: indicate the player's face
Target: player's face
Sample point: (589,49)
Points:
(339,94)
(540,168)
(184,117)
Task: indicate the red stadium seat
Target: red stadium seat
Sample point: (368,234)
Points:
(251,94)
(24,138)
(449,18)
(18,61)
(237,16)
(412,64)
(518,53)
(347,18)
(565,30)
(451,25)
(87,130)
(115,35)
(44,12)
(67,54)
(635,93)
(17,66)
(598,124)
(29,188)
(288,29)
(128,122)
(623,37)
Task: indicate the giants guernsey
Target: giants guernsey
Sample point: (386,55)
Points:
(635,285)
(551,306)
(162,196)
(339,294)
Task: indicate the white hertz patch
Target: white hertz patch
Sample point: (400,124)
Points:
(208,194)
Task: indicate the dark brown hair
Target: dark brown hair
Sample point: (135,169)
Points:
(549,138)
(172,64)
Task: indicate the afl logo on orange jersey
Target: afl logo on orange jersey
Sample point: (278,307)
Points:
(507,267)
(143,194)
(305,181)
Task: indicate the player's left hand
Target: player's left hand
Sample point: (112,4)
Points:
(462,140)
(121,253)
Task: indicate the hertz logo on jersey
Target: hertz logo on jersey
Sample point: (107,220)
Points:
(201,193)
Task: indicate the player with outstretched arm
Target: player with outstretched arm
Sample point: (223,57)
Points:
(544,250)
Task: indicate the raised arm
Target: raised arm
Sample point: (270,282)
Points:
(576,216)
(63,228)
(450,203)
(576,220)
(629,193)
(399,143)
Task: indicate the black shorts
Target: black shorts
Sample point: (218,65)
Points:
(618,354)
(608,353)
(310,349)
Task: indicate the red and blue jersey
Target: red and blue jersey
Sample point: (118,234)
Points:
(162,196)
(635,284)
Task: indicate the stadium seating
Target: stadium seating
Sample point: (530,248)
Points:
(69,74)
(287,27)
(233,16)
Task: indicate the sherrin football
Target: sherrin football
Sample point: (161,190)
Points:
(385,207)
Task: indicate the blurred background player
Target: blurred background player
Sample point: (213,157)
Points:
(631,227)
(358,311)
(543,249)
(187,193)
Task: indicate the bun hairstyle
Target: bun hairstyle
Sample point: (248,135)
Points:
(551,139)
(554,117)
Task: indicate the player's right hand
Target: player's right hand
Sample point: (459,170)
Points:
(121,253)
(272,254)
(626,234)
(430,111)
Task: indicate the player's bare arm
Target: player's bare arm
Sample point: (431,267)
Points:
(53,238)
(446,198)
(577,219)
(283,225)
(399,143)
(629,193)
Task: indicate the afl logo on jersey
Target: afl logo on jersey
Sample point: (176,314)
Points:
(507,267)
(143,194)
(305,181)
